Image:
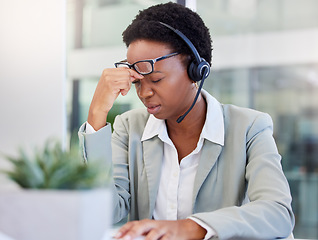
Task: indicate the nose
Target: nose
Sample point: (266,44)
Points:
(144,90)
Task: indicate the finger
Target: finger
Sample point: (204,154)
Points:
(166,237)
(121,86)
(123,230)
(134,75)
(138,228)
(123,79)
(154,234)
(126,229)
(117,74)
(125,90)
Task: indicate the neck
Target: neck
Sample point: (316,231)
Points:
(194,121)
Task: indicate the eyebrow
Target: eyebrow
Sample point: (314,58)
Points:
(157,71)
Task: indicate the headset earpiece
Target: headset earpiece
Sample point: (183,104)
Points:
(195,71)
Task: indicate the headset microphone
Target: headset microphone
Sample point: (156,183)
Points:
(198,69)
(179,120)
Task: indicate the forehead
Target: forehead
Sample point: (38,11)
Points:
(146,49)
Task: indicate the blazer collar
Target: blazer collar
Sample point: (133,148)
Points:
(209,156)
(213,129)
(153,155)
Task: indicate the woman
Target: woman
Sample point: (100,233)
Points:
(215,173)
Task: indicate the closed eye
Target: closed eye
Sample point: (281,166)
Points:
(136,81)
(156,81)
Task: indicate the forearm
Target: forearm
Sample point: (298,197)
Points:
(265,219)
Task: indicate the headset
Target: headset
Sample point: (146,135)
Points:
(198,69)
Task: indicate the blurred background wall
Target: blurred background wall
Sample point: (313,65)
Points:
(32,74)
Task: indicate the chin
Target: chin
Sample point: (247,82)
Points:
(158,117)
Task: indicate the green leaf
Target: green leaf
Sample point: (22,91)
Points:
(54,168)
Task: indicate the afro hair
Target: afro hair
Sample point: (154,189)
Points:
(146,26)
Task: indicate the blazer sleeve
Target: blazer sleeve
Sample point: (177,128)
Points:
(98,147)
(268,213)
(95,146)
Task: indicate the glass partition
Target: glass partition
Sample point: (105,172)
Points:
(231,17)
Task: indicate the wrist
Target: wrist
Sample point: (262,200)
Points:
(97,119)
(193,230)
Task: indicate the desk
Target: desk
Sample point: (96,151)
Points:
(106,237)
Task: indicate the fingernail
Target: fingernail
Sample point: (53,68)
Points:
(117,235)
(127,237)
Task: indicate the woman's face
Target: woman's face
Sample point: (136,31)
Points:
(167,92)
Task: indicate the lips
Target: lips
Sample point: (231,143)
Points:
(152,109)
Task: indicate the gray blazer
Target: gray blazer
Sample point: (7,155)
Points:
(240,189)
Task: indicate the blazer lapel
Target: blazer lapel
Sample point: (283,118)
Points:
(153,155)
(209,156)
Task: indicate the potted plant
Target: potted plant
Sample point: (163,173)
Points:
(60,197)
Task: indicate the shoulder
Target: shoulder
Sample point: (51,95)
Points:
(233,112)
(135,120)
(245,119)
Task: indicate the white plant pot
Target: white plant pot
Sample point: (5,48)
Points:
(55,214)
